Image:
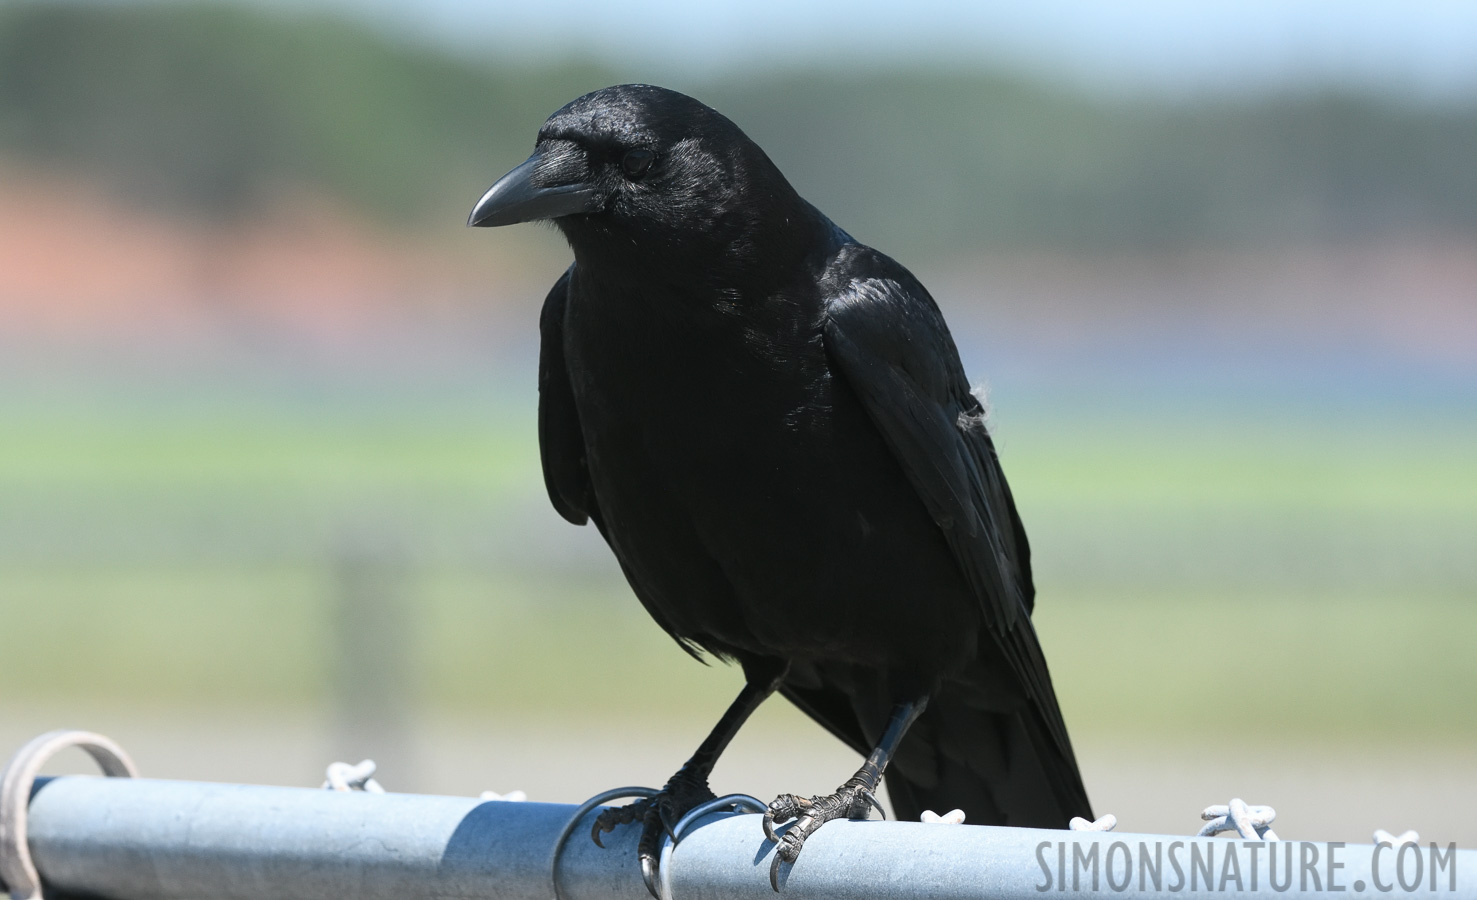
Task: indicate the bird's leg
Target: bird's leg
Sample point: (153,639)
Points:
(852,799)
(689,786)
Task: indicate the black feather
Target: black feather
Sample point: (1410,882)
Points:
(771,427)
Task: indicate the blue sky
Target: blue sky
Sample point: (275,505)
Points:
(1418,46)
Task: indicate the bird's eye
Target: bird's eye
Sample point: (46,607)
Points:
(636,162)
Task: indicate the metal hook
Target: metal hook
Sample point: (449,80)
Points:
(669,843)
(603,797)
(16,868)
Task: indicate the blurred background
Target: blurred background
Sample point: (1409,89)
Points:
(269,482)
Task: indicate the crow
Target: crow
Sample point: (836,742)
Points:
(769,424)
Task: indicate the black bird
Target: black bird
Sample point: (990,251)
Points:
(770,425)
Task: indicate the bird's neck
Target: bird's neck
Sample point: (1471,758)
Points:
(758,250)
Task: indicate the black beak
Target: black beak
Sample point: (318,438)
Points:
(518,198)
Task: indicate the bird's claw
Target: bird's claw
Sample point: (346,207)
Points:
(608,819)
(852,800)
(648,812)
(649,875)
(789,846)
(784,808)
(658,815)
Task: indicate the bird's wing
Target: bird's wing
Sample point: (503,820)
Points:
(561,442)
(888,341)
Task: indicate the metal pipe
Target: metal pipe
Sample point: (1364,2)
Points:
(141,839)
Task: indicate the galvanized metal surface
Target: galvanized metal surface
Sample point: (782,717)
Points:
(177,839)
(17,872)
(155,840)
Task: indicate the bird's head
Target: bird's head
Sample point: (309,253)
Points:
(636,168)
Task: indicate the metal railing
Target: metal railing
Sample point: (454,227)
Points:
(140,839)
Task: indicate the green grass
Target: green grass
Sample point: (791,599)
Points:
(1373,669)
(292,456)
(163,636)
(1297,579)
(1271,461)
(1180,664)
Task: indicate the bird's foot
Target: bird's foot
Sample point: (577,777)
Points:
(853,800)
(658,815)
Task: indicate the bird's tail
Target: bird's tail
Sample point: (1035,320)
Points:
(1001,768)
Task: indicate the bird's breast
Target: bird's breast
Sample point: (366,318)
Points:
(742,483)
(694,385)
